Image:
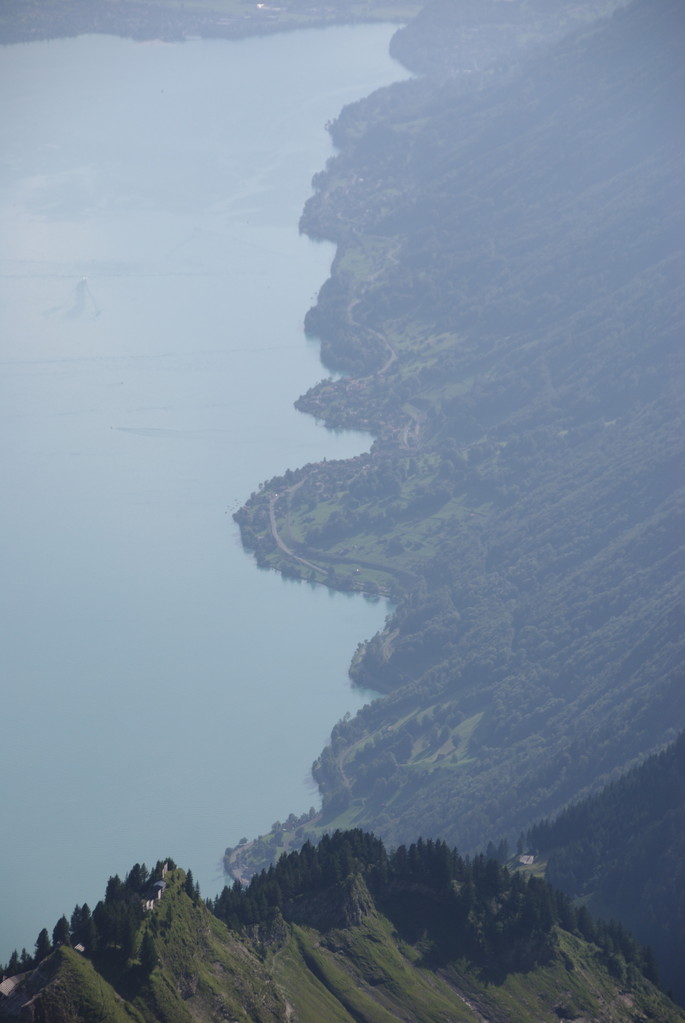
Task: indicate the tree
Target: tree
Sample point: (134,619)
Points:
(128,932)
(191,887)
(89,935)
(13,964)
(114,889)
(60,932)
(148,953)
(43,946)
(83,930)
(137,877)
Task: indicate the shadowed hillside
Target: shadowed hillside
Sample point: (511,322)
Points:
(622,853)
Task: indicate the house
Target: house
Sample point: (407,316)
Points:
(8,985)
(154,894)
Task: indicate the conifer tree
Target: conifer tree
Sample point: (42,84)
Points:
(43,946)
(148,953)
(60,932)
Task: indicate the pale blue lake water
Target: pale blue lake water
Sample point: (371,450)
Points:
(160,694)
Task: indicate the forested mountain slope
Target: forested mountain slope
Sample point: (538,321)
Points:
(464,37)
(623,853)
(343,932)
(507,302)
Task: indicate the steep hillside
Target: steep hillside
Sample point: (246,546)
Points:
(507,302)
(623,853)
(465,37)
(174,963)
(344,932)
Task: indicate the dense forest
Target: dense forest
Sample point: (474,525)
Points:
(458,907)
(475,36)
(622,853)
(342,931)
(506,305)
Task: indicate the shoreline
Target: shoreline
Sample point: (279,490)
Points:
(144,20)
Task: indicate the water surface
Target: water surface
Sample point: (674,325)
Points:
(160,695)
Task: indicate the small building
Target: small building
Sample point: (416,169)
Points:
(154,894)
(8,985)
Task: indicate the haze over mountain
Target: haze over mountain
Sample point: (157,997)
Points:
(506,310)
(507,299)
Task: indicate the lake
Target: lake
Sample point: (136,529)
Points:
(160,694)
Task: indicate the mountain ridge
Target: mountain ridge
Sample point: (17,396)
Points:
(344,931)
